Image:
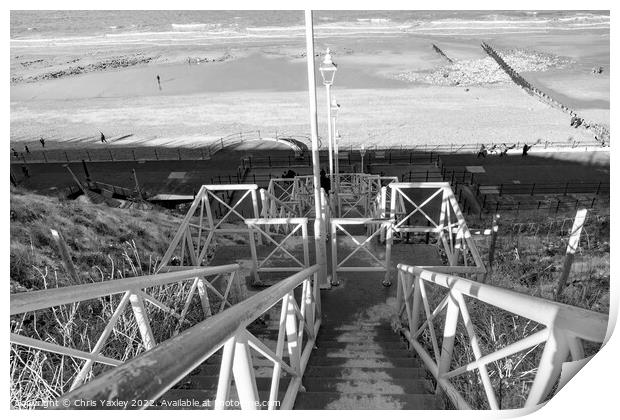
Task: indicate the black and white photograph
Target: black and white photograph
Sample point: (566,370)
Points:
(311,207)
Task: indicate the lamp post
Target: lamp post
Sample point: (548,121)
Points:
(319,221)
(337,140)
(334,111)
(328,71)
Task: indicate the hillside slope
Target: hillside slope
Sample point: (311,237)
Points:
(104,242)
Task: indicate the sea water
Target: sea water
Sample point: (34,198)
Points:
(102,27)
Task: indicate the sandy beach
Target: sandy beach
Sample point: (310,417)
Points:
(71,91)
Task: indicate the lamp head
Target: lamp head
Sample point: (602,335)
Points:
(328,69)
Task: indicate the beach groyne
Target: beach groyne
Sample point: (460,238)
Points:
(601,133)
(442,54)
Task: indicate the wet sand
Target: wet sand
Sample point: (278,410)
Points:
(263,87)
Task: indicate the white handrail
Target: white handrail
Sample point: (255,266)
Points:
(565,326)
(133,294)
(149,375)
(42,299)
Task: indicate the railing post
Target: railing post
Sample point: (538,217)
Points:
(204,298)
(447,345)
(142,319)
(243,371)
(66,256)
(293,345)
(388,254)
(223,383)
(334,240)
(554,354)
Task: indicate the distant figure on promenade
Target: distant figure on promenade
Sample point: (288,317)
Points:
(27,149)
(25,171)
(15,152)
(103,140)
(42,141)
(505,149)
(526,148)
(289,174)
(482,152)
(158,82)
(325,182)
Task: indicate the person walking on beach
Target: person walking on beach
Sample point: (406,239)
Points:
(103,140)
(42,141)
(27,149)
(158,82)
(482,152)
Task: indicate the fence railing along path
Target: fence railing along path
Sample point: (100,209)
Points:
(404,153)
(109,152)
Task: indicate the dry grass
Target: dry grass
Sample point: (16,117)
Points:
(106,244)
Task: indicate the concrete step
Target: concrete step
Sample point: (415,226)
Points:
(383,336)
(314,384)
(209,383)
(374,386)
(362,346)
(359,373)
(361,352)
(365,401)
(365,362)
(359,326)
(359,337)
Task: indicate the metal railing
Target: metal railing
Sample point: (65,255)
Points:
(543,188)
(198,232)
(148,376)
(282,252)
(111,153)
(133,291)
(436,211)
(565,327)
(374,228)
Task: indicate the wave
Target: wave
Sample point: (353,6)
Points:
(191,26)
(374,20)
(233,29)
